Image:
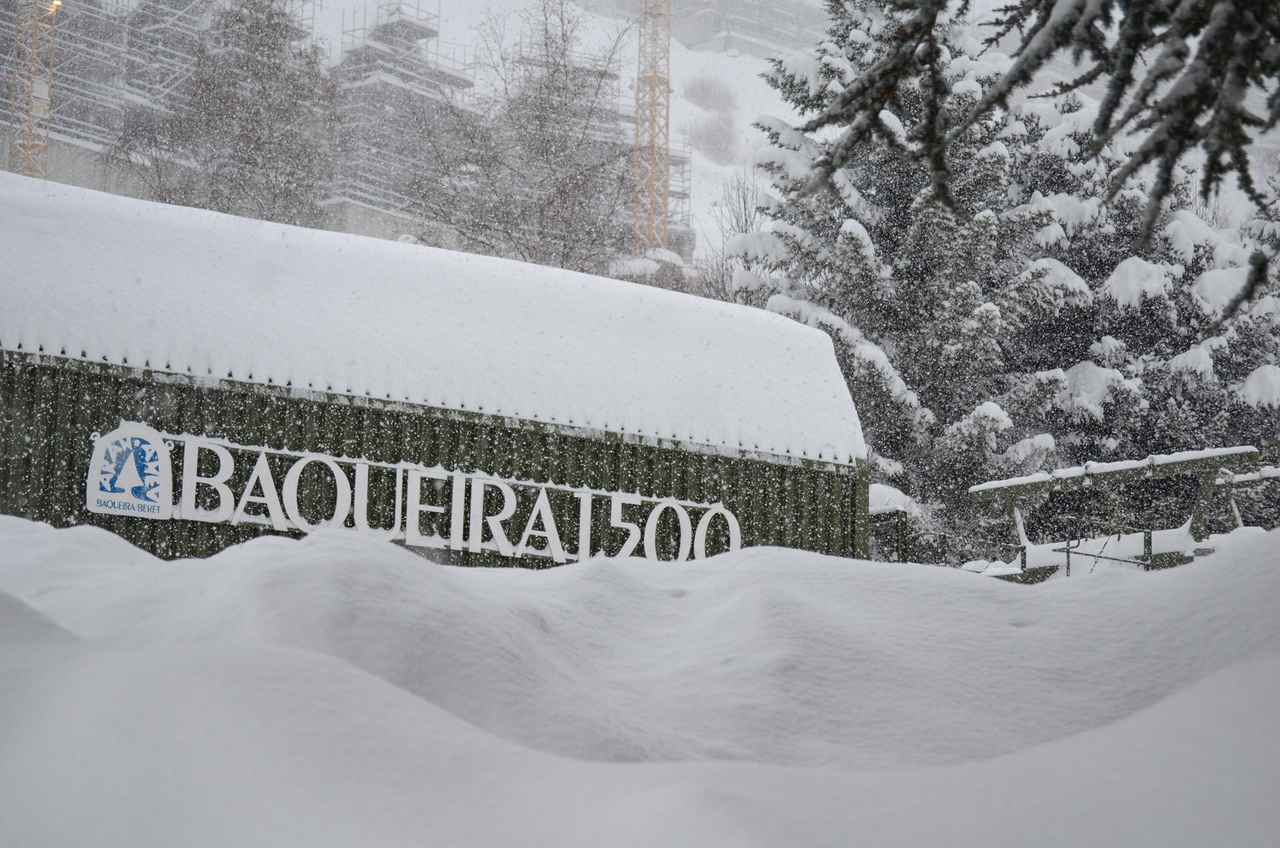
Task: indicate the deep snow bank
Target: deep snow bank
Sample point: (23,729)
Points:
(765,655)
(191,291)
(215,745)
(335,691)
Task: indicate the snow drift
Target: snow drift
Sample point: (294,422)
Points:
(338,691)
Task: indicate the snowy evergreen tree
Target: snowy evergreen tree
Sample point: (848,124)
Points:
(1181,71)
(248,132)
(1016,329)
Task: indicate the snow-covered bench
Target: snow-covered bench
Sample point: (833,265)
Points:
(1214,467)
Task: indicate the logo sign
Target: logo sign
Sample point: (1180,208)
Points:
(130,474)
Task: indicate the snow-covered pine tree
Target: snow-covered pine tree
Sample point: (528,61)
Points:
(1182,72)
(1158,367)
(249,131)
(918,296)
(1018,330)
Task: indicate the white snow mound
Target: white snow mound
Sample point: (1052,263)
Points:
(337,691)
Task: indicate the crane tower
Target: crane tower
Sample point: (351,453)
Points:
(653,126)
(32,86)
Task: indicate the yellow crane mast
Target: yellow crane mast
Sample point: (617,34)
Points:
(653,126)
(32,86)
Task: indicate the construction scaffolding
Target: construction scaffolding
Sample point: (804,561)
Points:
(403,47)
(392,77)
(163,39)
(108,55)
(86,74)
(759,27)
(117,56)
(32,86)
(89,69)
(653,127)
(607,121)
(679,180)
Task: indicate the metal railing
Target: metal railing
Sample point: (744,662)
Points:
(1149,559)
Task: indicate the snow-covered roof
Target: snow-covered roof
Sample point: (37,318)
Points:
(189,291)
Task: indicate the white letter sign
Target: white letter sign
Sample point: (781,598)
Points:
(615,520)
(218,482)
(362,505)
(130,474)
(342,501)
(651,530)
(478,485)
(412,523)
(542,510)
(262,476)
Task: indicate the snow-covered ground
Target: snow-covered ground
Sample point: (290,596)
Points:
(337,691)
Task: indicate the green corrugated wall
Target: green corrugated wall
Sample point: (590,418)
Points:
(50,406)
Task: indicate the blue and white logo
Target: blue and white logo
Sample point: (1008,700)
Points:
(130,474)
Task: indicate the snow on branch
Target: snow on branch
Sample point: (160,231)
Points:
(1182,73)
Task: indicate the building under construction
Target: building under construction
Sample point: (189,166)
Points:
(392,79)
(761,28)
(72,90)
(112,57)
